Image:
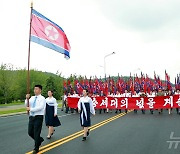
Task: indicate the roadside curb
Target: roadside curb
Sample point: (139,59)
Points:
(18,113)
(12,114)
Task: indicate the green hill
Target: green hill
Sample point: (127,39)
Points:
(13,83)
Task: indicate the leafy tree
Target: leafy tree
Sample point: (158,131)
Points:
(6,77)
(50,85)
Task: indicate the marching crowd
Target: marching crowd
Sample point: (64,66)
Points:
(38,106)
(159,92)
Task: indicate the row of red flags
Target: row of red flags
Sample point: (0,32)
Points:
(112,85)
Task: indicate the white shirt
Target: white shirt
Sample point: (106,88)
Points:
(118,95)
(176,93)
(126,95)
(75,95)
(152,95)
(52,102)
(135,95)
(112,95)
(40,105)
(64,97)
(86,100)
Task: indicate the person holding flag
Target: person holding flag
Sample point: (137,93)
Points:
(47,33)
(36,111)
(85,108)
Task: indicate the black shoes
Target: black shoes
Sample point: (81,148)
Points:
(35,151)
(48,137)
(84,139)
(41,141)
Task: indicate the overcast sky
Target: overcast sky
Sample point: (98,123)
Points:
(144,34)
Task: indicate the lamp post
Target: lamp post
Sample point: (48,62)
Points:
(105,61)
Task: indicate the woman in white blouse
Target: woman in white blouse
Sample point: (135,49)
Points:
(85,107)
(51,117)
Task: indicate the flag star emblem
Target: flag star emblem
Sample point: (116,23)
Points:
(51,32)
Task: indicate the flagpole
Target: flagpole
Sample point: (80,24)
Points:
(165,81)
(29,49)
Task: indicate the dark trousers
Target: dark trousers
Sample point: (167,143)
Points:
(63,105)
(177,110)
(34,129)
(67,109)
(100,110)
(71,109)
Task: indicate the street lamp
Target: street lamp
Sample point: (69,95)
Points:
(105,61)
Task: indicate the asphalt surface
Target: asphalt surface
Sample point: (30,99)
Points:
(129,134)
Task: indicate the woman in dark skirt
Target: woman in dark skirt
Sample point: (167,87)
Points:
(51,117)
(85,108)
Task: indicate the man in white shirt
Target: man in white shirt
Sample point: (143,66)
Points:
(126,94)
(135,95)
(117,95)
(36,110)
(100,110)
(75,94)
(177,93)
(64,101)
(151,94)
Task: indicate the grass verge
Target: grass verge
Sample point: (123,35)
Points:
(12,111)
(11,104)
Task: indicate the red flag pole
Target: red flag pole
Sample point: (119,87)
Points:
(165,80)
(29,49)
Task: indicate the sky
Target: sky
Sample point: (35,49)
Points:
(144,35)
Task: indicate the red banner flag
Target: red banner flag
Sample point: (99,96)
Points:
(160,102)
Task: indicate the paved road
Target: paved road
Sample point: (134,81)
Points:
(129,134)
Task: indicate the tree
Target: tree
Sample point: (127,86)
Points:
(6,79)
(50,85)
(13,83)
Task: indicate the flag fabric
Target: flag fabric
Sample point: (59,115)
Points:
(112,85)
(47,33)
(167,77)
(178,82)
(65,86)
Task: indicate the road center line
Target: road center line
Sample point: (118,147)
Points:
(76,135)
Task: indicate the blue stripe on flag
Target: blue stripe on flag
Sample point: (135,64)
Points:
(42,16)
(50,45)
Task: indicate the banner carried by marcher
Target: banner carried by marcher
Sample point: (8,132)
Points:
(146,103)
